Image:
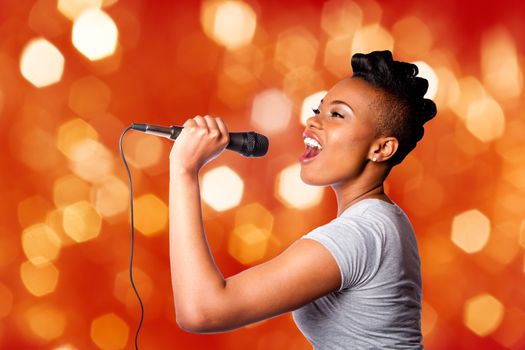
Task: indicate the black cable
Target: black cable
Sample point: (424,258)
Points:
(132,238)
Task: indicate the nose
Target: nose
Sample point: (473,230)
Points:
(314,122)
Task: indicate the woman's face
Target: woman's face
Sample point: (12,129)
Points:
(344,125)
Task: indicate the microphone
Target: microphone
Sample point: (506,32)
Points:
(248,144)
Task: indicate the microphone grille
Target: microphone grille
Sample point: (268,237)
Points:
(256,145)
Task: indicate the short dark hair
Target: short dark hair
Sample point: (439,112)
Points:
(402,107)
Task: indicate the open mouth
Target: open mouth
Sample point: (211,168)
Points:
(313,148)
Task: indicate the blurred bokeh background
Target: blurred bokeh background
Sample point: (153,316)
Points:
(75,73)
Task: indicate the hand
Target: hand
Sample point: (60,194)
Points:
(201,140)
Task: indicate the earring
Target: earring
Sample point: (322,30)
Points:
(374,159)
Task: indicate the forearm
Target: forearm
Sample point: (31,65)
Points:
(195,277)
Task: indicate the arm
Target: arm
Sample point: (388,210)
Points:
(204,300)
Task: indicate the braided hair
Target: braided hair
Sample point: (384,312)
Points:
(402,107)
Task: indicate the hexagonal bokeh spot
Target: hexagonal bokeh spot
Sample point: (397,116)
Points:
(41,244)
(81,222)
(470,230)
(293,192)
(151,214)
(95,34)
(229,23)
(222,188)
(483,314)
(248,243)
(109,331)
(41,63)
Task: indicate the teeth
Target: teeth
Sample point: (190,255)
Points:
(310,142)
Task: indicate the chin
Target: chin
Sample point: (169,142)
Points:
(311,179)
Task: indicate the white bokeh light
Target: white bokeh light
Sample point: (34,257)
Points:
(310,102)
(95,34)
(41,63)
(427,72)
(470,231)
(293,192)
(229,23)
(73,8)
(271,111)
(222,188)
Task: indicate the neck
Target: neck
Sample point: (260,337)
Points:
(355,190)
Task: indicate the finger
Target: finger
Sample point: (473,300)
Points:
(201,122)
(213,128)
(189,122)
(222,127)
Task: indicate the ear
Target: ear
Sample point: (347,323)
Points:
(384,148)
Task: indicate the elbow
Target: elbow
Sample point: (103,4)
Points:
(198,323)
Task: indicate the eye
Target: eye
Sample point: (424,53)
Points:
(335,114)
(316,111)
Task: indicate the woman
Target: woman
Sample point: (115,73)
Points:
(353,283)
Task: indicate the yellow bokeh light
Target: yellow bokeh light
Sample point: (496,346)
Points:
(34,146)
(46,322)
(6,300)
(222,188)
(372,37)
(500,65)
(45,19)
(72,132)
(413,37)
(41,63)
(483,314)
(309,103)
(69,189)
(111,196)
(425,71)
(341,17)
(65,347)
(2,98)
(521,237)
(448,90)
(229,23)
(109,332)
(123,291)
(470,230)
(151,214)
(89,96)
(144,151)
(91,160)
(256,215)
(295,48)
(470,91)
(39,280)
(74,8)
(337,55)
(429,317)
(507,147)
(271,111)
(32,210)
(301,81)
(248,243)
(485,119)
(293,192)
(95,35)
(81,222)
(41,244)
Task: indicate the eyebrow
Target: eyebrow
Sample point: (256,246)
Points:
(340,102)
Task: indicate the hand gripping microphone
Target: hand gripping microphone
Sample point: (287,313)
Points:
(248,144)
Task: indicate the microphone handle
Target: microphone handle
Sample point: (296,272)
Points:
(239,141)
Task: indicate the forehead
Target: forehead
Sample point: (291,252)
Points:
(354,91)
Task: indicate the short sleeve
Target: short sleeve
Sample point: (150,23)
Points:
(356,246)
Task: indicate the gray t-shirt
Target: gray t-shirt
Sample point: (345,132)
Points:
(378,305)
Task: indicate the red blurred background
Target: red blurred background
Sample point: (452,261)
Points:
(74,74)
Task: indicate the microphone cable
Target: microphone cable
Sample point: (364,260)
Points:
(132,238)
